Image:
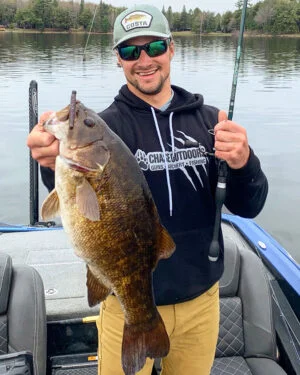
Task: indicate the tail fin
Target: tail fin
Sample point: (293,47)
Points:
(140,343)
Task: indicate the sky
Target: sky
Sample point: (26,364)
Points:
(218,6)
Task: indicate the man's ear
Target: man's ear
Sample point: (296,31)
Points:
(172,48)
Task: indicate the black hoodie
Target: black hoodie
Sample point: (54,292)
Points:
(170,147)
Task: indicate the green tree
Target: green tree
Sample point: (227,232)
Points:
(102,20)
(209,22)
(85,18)
(265,15)
(284,18)
(297,15)
(62,18)
(169,16)
(7,13)
(43,12)
(218,22)
(276,16)
(81,9)
(227,22)
(176,21)
(183,19)
(195,24)
(240,3)
(25,18)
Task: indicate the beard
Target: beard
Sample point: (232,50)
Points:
(154,90)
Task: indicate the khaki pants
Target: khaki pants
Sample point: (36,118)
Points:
(192,326)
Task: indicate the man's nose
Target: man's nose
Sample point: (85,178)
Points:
(144,57)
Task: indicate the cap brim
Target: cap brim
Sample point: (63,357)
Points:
(141,33)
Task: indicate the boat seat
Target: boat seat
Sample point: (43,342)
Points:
(22,313)
(246,343)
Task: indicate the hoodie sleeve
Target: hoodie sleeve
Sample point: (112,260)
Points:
(48,177)
(247,188)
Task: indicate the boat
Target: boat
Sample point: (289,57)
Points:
(259,290)
(47,327)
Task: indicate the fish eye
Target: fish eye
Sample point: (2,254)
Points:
(89,122)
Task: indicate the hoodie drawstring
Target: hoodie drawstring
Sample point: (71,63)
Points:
(171,132)
(164,152)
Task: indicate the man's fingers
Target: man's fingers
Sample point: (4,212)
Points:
(44,116)
(41,152)
(222,116)
(39,138)
(229,126)
(47,162)
(229,136)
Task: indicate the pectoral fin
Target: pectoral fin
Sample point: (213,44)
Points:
(166,246)
(87,202)
(50,207)
(97,291)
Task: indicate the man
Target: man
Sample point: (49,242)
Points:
(170,131)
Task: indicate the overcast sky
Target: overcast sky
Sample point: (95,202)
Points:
(220,6)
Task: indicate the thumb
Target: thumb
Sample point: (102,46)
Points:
(44,116)
(222,116)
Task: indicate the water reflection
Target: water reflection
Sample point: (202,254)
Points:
(271,54)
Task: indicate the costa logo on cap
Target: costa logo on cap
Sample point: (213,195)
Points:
(136,19)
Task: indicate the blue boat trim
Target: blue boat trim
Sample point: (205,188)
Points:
(8,228)
(273,252)
(276,255)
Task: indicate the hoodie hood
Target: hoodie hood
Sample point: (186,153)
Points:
(182,101)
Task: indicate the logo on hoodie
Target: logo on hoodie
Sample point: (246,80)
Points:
(137,19)
(178,158)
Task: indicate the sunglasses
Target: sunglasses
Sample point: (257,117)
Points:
(153,49)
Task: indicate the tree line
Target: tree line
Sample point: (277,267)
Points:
(268,16)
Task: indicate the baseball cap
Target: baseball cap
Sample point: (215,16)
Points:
(140,20)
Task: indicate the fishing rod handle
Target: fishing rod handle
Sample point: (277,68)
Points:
(33,104)
(220,196)
(33,165)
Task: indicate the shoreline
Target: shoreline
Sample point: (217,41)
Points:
(175,33)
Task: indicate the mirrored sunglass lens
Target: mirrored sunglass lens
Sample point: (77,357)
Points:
(157,48)
(153,49)
(128,52)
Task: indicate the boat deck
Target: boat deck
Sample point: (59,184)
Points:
(63,273)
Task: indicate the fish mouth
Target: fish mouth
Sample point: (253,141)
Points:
(78,167)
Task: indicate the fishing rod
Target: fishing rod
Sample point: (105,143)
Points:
(33,165)
(87,40)
(214,249)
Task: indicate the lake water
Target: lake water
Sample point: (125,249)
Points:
(267,104)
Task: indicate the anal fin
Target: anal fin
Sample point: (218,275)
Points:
(165,244)
(97,291)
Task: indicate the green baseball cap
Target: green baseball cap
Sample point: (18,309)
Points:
(140,20)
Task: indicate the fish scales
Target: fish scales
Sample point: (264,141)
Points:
(109,214)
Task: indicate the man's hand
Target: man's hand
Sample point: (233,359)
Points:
(43,145)
(231,143)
